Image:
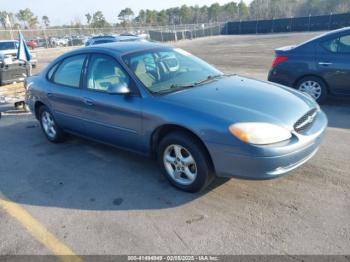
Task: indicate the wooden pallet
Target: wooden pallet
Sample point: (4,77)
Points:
(12,93)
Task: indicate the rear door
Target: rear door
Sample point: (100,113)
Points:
(333,62)
(65,93)
(112,118)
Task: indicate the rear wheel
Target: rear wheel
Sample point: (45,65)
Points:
(49,126)
(313,86)
(184,162)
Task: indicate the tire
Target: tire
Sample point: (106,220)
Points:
(51,130)
(314,86)
(171,163)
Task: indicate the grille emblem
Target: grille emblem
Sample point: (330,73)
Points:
(306,120)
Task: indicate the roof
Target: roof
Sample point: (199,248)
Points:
(6,41)
(124,47)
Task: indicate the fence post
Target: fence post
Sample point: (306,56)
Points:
(240,26)
(330,21)
(273,24)
(256,26)
(291,23)
(309,22)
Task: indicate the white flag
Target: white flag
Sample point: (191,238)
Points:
(23,51)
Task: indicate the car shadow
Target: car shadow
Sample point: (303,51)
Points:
(80,174)
(338,112)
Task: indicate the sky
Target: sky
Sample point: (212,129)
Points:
(64,11)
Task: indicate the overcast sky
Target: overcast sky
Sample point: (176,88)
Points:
(65,11)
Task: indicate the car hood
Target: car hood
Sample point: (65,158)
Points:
(8,52)
(239,99)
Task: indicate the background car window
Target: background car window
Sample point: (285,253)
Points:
(104,74)
(97,42)
(68,73)
(8,45)
(344,44)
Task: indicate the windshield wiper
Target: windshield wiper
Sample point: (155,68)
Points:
(208,79)
(180,87)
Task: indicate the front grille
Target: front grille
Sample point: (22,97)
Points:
(306,120)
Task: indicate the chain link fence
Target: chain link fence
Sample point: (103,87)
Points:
(77,36)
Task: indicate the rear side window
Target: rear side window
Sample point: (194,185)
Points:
(69,71)
(340,45)
(331,45)
(52,70)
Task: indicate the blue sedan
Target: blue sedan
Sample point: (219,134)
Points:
(163,102)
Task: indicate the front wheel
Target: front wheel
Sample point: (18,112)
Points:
(313,86)
(185,162)
(48,124)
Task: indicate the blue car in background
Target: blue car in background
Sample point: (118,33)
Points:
(163,102)
(319,67)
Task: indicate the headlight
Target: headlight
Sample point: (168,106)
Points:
(259,133)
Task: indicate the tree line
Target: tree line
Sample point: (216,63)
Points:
(231,11)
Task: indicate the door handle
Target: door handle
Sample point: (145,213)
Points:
(325,63)
(88,101)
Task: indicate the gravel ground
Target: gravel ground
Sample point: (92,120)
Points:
(100,200)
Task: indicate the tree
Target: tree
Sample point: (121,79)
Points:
(27,17)
(162,18)
(88,18)
(98,20)
(151,17)
(214,11)
(46,21)
(141,18)
(243,10)
(126,16)
(231,10)
(185,14)
(3,18)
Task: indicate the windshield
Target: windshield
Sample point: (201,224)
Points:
(8,45)
(165,70)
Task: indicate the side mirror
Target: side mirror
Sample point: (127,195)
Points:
(119,89)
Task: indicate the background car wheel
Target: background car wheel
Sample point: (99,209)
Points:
(313,86)
(185,162)
(51,130)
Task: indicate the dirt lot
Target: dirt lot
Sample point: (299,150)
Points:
(98,200)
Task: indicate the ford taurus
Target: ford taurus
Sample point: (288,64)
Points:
(163,102)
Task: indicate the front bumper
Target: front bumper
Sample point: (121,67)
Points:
(273,160)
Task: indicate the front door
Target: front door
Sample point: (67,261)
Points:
(112,118)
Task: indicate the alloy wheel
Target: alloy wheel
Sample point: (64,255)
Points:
(180,164)
(48,124)
(312,88)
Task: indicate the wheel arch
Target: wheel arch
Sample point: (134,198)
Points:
(37,106)
(160,132)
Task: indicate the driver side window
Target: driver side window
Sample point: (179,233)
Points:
(104,74)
